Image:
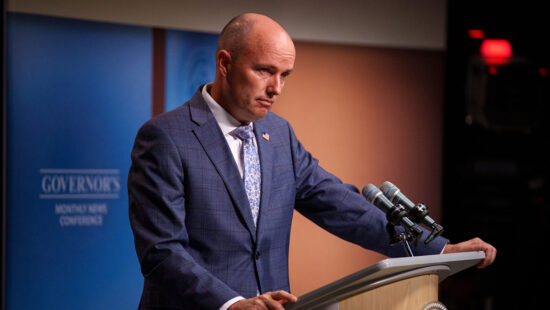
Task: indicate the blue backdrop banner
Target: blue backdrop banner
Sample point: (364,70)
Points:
(190,62)
(77,93)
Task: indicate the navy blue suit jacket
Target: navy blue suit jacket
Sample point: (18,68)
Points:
(193,229)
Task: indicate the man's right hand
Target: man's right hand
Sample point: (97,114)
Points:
(269,300)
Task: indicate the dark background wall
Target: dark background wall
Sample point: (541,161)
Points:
(495,169)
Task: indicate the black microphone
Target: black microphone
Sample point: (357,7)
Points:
(417,212)
(396,215)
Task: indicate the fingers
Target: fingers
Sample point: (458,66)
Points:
(257,303)
(475,244)
(283,296)
(267,301)
(490,255)
(274,300)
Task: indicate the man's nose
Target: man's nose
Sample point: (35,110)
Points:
(275,85)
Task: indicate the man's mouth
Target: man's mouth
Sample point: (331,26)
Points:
(265,101)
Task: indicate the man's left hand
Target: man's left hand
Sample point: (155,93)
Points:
(475,244)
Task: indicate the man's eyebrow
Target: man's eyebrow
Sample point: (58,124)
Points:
(265,66)
(272,68)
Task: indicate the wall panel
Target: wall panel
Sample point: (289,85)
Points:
(77,92)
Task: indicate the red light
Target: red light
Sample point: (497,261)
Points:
(543,71)
(496,51)
(476,33)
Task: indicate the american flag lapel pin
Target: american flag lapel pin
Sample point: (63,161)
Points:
(265,135)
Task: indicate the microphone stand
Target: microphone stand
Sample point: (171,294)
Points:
(420,212)
(411,233)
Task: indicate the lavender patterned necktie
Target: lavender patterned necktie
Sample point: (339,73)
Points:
(252,174)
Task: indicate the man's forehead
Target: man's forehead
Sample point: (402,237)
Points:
(275,59)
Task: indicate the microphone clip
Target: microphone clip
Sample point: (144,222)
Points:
(418,214)
(409,234)
(437,230)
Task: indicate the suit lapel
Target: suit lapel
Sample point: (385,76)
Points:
(214,144)
(265,150)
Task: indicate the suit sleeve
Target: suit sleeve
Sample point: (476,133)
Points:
(340,209)
(157,215)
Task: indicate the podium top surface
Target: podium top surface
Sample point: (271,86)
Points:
(385,272)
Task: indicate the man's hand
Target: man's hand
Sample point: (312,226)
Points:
(269,300)
(475,244)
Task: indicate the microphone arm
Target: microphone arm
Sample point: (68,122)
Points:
(411,233)
(396,215)
(416,212)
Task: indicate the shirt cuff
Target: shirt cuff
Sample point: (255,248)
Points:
(444,247)
(230,302)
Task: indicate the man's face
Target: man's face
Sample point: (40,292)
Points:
(257,76)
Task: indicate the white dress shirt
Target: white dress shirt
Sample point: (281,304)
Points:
(227,124)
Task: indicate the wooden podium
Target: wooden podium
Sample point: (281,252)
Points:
(407,283)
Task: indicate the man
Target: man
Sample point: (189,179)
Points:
(211,203)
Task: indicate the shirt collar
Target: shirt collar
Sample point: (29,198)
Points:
(226,122)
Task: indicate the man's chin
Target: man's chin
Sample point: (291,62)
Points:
(259,114)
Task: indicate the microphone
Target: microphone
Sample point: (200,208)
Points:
(417,212)
(396,215)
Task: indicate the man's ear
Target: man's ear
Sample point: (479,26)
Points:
(223,61)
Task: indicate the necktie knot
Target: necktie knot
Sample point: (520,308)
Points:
(244,132)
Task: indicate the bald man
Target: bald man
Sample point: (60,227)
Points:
(214,183)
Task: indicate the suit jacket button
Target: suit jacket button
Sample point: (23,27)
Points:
(257,256)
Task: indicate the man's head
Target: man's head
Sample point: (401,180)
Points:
(253,59)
